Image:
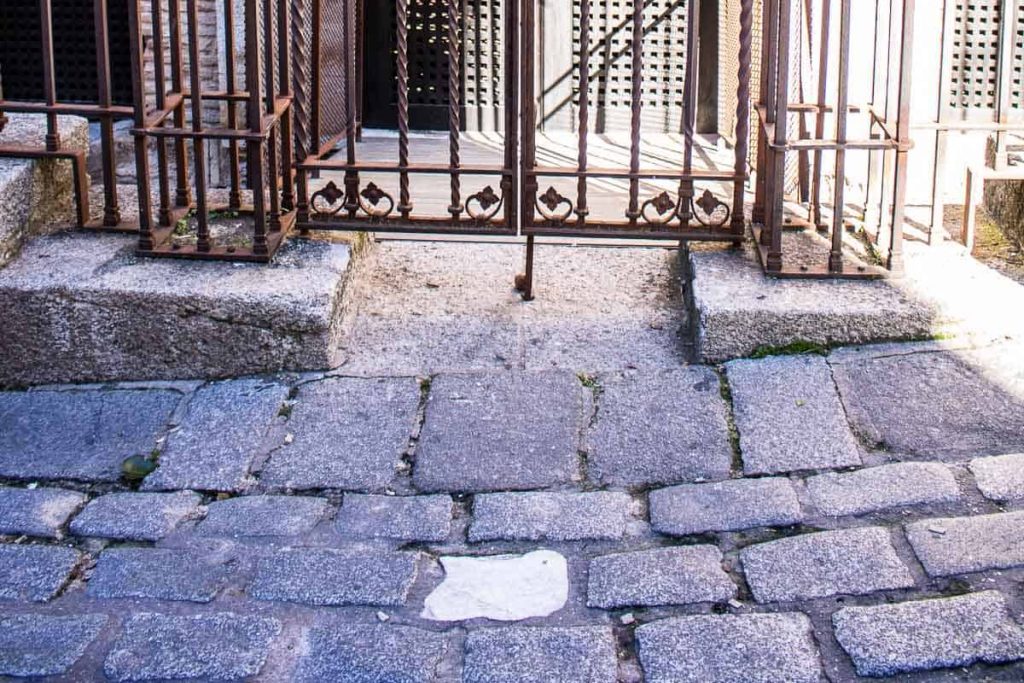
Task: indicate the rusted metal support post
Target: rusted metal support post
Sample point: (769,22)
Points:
(742,118)
(903,141)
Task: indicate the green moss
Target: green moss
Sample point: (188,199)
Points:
(797,348)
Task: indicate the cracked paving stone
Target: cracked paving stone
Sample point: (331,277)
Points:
(601,515)
(263,516)
(220,646)
(324,576)
(822,564)
(748,648)
(357,653)
(219,437)
(1000,477)
(789,415)
(724,506)
(402,518)
(34,572)
(885,640)
(881,488)
(960,545)
(135,516)
(979,416)
(40,512)
(505,431)
(683,435)
(159,573)
(45,644)
(350,433)
(585,654)
(662,576)
(82,435)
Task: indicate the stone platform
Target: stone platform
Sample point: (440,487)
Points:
(25,182)
(84,308)
(736,310)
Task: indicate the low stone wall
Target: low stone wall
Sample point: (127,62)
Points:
(84,308)
(36,196)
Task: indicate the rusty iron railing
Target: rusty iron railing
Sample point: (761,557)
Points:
(685,215)
(258,123)
(888,119)
(31,33)
(368,206)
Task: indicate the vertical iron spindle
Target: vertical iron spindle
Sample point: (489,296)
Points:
(454,118)
(633,211)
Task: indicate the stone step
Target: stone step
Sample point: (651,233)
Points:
(84,308)
(36,195)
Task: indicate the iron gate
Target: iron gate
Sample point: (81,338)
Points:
(668,202)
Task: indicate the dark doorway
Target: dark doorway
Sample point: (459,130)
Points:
(74,54)
(428,65)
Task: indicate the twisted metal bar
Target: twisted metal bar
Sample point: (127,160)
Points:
(351,176)
(633,212)
(584,111)
(743,114)
(453,107)
(404,203)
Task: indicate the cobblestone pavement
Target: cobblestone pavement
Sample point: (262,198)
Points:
(792,518)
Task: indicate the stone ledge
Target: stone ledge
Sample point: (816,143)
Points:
(736,309)
(25,183)
(84,308)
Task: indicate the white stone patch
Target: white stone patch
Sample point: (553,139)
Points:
(501,587)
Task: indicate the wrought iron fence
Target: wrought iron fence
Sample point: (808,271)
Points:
(90,75)
(258,123)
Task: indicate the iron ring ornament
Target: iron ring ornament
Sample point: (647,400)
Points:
(709,210)
(548,204)
(663,205)
(714,213)
(372,200)
(488,202)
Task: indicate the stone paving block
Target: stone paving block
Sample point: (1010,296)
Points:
(1000,477)
(663,576)
(937,405)
(45,644)
(83,435)
(748,648)
(219,436)
(403,518)
(135,516)
(880,488)
(322,576)
(818,565)
(356,653)
(503,431)
(960,545)
(263,516)
(601,515)
(724,506)
(219,646)
(660,427)
(789,415)
(885,640)
(158,573)
(583,654)
(34,572)
(39,512)
(350,433)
